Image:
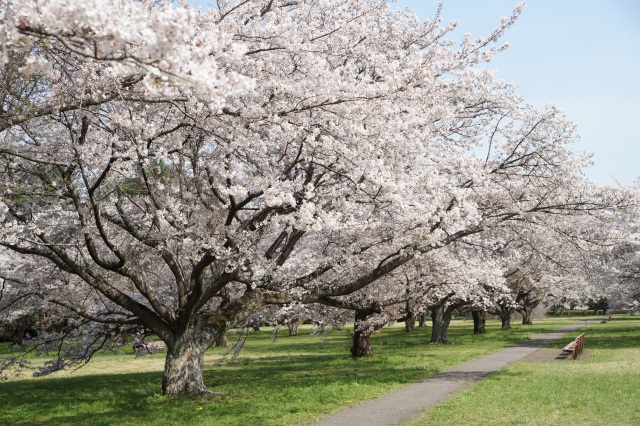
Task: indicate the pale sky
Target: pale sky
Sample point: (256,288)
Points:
(581,55)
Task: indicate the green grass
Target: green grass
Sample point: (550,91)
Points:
(600,388)
(293,380)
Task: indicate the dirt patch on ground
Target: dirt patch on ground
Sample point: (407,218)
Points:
(551,355)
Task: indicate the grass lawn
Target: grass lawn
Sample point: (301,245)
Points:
(601,388)
(293,380)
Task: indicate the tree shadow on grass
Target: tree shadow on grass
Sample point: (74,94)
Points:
(88,399)
(134,398)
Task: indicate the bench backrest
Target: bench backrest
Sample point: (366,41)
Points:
(577,350)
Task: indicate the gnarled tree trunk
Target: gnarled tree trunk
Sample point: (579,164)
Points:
(185,357)
(410,323)
(410,319)
(422,319)
(506,320)
(19,328)
(503,310)
(124,338)
(526,316)
(479,321)
(526,310)
(361,342)
(222,341)
(293,326)
(440,320)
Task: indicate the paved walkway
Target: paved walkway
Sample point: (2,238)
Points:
(396,406)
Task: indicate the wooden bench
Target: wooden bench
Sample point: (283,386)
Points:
(576,347)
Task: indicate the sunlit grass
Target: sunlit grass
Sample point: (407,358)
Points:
(293,380)
(601,388)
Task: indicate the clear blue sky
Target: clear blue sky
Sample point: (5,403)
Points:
(581,55)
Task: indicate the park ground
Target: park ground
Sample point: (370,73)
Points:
(296,380)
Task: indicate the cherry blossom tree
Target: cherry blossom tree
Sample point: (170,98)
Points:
(187,168)
(17,307)
(562,262)
(619,277)
(91,92)
(454,280)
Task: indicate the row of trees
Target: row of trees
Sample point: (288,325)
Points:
(181,171)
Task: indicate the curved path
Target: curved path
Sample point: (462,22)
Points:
(406,402)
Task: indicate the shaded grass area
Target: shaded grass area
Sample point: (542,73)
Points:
(601,388)
(294,380)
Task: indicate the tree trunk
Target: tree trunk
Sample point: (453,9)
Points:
(124,338)
(222,341)
(440,320)
(506,320)
(19,328)
(422,319)
(526,316)
(410,319)
(185,357)
(526,310)
(410,323)
(293,327)
(479,321)
(361,343)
